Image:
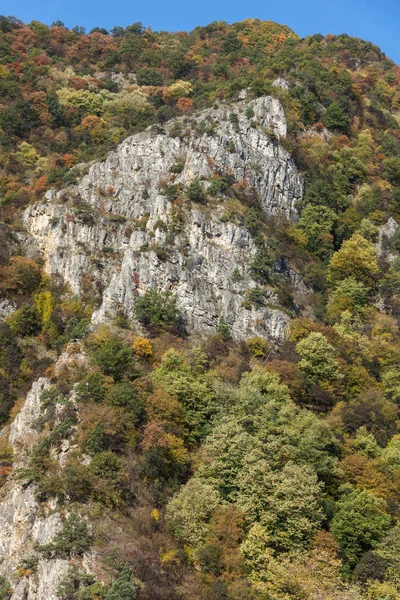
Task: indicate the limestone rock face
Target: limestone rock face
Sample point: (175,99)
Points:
(385,233)
(124,236)
(24,523)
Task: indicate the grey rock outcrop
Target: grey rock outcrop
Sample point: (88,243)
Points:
(126,236)
(6,308)
(281,83)
(385,233)
(24,522)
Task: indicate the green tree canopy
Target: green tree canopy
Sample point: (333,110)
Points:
(359,523)
(318,358)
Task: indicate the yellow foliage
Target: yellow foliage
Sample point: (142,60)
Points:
(356,258)
(169,557)
(155,514)
(314,575)
(91,102)
(25,370)
(365,146)
(298,236)
(197,59)
(27,154)
(99,337)
(258,347)
(130,99)
(142,348)
(6,451)
(22,572)
(178,89)
(176,447)
(45,304)
(382,591)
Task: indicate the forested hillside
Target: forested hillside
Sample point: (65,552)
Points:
(151,447)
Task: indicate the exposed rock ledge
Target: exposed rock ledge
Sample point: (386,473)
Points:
(124,260)
(24,523)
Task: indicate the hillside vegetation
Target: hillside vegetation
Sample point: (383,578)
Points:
(208,467)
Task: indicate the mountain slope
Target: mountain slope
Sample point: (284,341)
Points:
(199,300)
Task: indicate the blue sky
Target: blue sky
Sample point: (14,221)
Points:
(378,22)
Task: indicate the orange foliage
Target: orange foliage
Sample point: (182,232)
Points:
(184,104)
(77,83)
(41,185)
(364,473)
(68,160)
(90,121)
(42,59)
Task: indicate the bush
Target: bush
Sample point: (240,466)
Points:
(261,266)
(258,347)
(391,170)
(209,558)
(7,398)
(114,359)
(5,589)
(148,76)
(195,192)
(370,566)
(157,309)
(357,258)
(318,359)
(25,321)
(106,465)
(92,389)
(77,481)
(371,410)
(78,585)
(223,329)
(142,348)
(190,509)
(123,588)
(76,329)
(336,118)
(123,395)
(21,276)
(218,591)
(10,353)
(72,540)
(96,441)
(359,523)
(177,168)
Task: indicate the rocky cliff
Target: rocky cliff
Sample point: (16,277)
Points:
(120,229)
(26,523)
